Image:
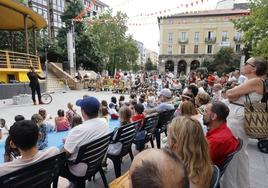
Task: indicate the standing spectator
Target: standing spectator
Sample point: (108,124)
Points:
(34,84)
(24,136)
(61,122)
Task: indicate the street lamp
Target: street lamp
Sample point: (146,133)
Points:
(46,61)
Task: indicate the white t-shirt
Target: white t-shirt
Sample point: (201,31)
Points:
(88,131)
(16,164)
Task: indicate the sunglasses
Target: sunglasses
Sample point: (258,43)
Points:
(247,63)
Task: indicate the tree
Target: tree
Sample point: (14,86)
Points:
(149,65)
(255,28)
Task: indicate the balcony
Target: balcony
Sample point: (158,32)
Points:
(238,39)
(210,40)
(183,41)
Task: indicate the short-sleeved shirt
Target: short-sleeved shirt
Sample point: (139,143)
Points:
(84,133)
(221,143)
(17,164)
(164,107)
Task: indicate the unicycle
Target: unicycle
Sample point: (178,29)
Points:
(46,98)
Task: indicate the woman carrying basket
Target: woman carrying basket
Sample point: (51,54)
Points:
(237,173)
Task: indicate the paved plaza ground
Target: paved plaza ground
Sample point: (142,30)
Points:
(258,160)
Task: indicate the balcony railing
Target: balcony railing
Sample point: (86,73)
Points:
(183,41)
(237,39)
(210,39)
(15,60)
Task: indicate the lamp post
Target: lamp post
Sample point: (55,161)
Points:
(46,62)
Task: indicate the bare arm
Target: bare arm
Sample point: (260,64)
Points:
(66,152)
(252,85)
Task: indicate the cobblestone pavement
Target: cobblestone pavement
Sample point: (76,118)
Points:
(258,160)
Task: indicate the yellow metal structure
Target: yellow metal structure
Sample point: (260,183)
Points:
(14,66)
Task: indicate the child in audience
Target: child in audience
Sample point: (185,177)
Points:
(42,141)
(104,113)
(112,111)
(138,113)
(104,103)
(124,115)
(46,118)
(121,101)
(19,118)
(114,102)
(70,113)
(77,120)
(61,122)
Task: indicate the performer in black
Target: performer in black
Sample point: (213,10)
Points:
(34,84)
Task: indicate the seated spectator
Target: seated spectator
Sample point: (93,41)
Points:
(133,97)
(42,141)
(142,101)
(24,135)
(3,126)
(91,129)
(124,115)
(114,102)
(138,113)
(131,106)
(61,122)
(151,100)
(46,120)
(201,100)
(19,118)
(186,138)
(220,138)
(104,103)
(112,111)
(70,113)
(104,113)
(77,120)
(165,97)
(155,168)
(121,101)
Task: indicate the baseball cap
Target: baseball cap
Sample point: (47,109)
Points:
(166,93)
(89,104)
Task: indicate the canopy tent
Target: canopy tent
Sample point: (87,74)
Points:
(15,16)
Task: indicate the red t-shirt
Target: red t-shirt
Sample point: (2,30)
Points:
(221,143)
(137,118)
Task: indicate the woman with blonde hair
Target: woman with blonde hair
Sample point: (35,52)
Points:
(186,138)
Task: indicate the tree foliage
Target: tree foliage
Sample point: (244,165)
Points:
(255,28)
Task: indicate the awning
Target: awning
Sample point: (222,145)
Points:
(12,16)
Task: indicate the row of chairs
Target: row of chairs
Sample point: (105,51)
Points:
(43,173)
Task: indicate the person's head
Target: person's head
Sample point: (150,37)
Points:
(215,114)
(104,103)
(188,97)
(32,68)
(217,87)
(121,98)
(157,168)
(113,100)
(104,111)
(133,96)
(61,113)
(202,98)
(89,107)
(165,95)
(37,119)
(255,66)
(125,114)
(186,138)
(77,120)
(141,100)
(139,108)
(2,122)
(19,118)
(42,112)
(188,109)
(24,134)
(70,106)
(193,89)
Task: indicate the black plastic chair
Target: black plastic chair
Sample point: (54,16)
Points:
(92,154)
(214,183)
(164,119)
(38,175)
(230,156)
(149,126)
(125,135)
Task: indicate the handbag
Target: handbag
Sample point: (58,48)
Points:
(256,117)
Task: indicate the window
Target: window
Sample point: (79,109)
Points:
(183,36)
(169,49)
(182,49)
(224,36)
(237,48)
(211,35)
(196,37)
(196,49)
(209,49)
(170,37)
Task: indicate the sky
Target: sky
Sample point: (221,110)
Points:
(147,31)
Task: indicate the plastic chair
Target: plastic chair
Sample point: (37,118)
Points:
(92,154)
(124,135)
(214,183)
(164,119)
(149,127)
(230,156)
(38,175)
